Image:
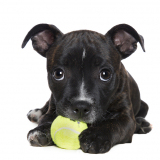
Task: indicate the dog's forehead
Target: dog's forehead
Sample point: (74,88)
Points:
(81,56)
(77,46)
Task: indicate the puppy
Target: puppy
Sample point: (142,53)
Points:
(89,83)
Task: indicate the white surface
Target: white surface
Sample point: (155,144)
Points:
(23,80)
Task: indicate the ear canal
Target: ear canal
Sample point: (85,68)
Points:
(125,38)
(42,36)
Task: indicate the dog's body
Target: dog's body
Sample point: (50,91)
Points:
(89,83)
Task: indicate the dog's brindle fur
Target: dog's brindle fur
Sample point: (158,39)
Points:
(111,107)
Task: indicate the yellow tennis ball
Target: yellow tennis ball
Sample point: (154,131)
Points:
(65,132)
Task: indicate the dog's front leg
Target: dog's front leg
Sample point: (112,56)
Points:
(100,138)
(40,136)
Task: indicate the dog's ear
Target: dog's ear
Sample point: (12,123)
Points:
(125,39)
(42,36)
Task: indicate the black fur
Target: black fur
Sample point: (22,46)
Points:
(116,111)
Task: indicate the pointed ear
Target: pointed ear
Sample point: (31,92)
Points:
(125,39)
(42,36)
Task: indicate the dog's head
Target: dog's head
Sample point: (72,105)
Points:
(83,66)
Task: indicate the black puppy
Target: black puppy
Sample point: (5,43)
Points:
(90,84)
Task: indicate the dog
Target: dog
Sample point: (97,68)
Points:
(89,83)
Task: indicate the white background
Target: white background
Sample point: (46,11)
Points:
(23,75)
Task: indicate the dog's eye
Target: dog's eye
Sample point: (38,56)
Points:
(58,74)
(105,75)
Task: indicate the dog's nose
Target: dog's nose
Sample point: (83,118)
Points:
(81,108)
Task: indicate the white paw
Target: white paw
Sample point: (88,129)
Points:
(33,138)
(38,138)
(34,115)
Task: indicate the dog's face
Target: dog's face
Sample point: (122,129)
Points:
(82,75)
(83,67)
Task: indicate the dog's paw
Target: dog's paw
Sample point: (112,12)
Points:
(143,126)
(38,138)
(93,142)
(34,115)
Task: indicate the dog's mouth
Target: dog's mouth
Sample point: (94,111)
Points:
(90,119)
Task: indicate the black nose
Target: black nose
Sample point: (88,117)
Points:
(81,109)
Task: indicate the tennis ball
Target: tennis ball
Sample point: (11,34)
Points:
(65,132)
